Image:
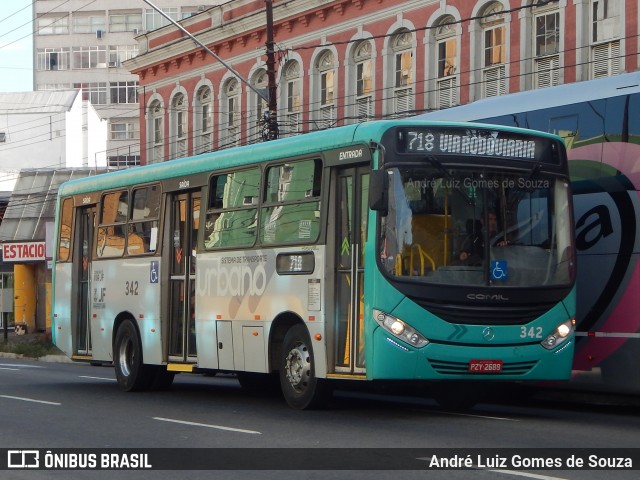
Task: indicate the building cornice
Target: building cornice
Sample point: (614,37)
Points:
(222,40)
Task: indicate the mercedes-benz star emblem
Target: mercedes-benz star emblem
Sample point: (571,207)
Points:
(488,334)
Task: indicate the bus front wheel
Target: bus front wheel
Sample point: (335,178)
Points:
(300,387)
(130,370)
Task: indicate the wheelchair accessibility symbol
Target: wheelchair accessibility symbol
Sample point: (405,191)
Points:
(499,270)
(153,271)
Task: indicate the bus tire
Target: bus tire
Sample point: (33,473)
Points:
(130,370)
(300,387)
(162,379)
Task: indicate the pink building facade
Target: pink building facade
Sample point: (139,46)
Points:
(346,61)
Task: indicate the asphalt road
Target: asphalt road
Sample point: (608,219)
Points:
(76,406)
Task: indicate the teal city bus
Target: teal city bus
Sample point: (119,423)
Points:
(389,250)
(599,123)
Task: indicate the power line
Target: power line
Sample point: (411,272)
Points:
(533,4)
(41,28)
(15,13)
(387,97)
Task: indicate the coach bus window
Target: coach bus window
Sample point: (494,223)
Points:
(64,242)
(143,225)
(520,226)
(233,209)
(291,212)
(113,223)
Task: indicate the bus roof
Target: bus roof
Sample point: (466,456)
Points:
(361,133)
(217,160)
(539,99)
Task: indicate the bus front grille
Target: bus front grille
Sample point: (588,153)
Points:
(486,314)
(446,367)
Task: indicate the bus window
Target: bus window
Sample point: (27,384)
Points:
(292,207)
(143,225)
(112,228)
(418,232)
(233,209)
(64,241)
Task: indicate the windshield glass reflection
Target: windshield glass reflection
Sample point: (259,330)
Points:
(477,227)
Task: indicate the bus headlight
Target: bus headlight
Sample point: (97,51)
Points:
(399,329)
(559,335)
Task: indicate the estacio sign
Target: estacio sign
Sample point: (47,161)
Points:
(24,252)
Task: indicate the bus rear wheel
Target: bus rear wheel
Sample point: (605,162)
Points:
(300,387)
(131,373)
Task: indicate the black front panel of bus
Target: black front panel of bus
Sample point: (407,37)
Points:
(474,145)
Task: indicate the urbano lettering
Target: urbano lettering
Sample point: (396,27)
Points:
(233,280)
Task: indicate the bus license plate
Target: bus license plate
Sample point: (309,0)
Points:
(485,366)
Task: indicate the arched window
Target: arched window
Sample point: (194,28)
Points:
(155,129)
(326,70)
(257,105)
(403,73)
(290,124)
(230,123)
(546,58)
(362,58)
(179,126)
(203,117)
(607,23)
(447,57)
(494,51)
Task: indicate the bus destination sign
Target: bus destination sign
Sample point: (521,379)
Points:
(472,142)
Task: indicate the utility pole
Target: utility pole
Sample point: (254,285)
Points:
(270,129)
(270,122)
(206,49)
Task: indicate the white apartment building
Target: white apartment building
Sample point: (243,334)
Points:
(80,44)
(48,130)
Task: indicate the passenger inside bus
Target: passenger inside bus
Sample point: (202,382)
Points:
(472,249)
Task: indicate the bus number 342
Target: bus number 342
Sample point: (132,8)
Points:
(532,332)
(131,288)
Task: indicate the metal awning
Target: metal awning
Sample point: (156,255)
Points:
(33,202)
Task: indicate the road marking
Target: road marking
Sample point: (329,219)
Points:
(30,400)
(5,368)
(487,417)
(219,427)
(97,378)
(460,414)
(523,474)
(21,365)
(507,472)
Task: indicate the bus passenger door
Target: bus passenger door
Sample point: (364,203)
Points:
(83,250)
(184,223)
(350,209)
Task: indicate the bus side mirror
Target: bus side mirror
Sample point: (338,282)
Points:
(378,188)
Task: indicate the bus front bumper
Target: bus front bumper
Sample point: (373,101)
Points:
(393,359)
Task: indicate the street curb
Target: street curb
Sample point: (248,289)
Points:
(55,359)
(45,358)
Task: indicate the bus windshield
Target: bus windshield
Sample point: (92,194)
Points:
(477,227)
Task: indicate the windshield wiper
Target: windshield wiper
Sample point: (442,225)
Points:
(533,175)
(435,163)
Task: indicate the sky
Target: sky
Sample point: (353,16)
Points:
(16,46)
